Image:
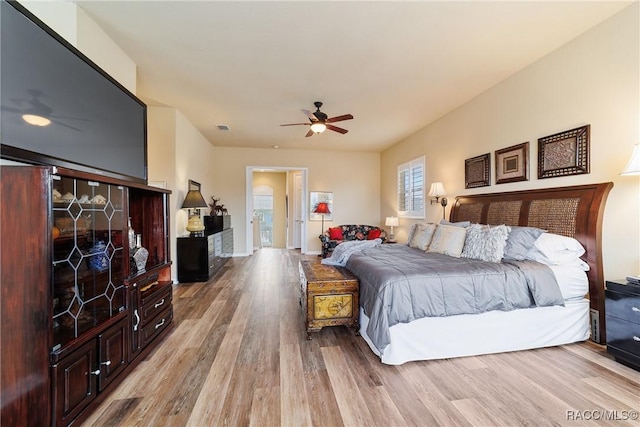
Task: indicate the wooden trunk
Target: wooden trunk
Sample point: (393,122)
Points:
(328,296)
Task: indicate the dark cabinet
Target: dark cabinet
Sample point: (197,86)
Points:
(26,296)
(622,308)
(69,303)
(199,258)
(87,370)
(151,306)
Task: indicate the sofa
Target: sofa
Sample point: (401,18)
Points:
(344,233)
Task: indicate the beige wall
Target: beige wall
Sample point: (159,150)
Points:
(84,34)
(177,153)
(278,182)
(354,179)
(591,80)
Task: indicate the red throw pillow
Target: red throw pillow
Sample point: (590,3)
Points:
(335,233)
(373,234)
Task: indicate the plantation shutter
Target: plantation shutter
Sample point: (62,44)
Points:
(411,189)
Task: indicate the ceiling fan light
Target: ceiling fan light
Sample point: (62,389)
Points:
(36,120)
(318,127)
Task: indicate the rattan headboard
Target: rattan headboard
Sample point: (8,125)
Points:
(570,211)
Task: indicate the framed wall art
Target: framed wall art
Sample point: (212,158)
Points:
(316,197)
(512,163)
(564,153)
(476,171)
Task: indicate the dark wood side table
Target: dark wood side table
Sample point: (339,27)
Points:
(622,309)
(328,296)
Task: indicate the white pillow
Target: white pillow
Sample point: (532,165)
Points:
(422,236)
(554,249)
(448,240)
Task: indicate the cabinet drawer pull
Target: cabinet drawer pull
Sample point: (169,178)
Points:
(159,324)
(107,363)
(96,372)
(135,313)
(636,338)
(159,303)
(636,309)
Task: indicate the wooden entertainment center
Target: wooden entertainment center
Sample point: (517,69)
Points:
(77,315)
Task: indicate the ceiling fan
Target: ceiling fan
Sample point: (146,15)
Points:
(319,121)
(35,112)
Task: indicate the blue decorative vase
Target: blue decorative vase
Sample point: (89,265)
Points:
(98,259)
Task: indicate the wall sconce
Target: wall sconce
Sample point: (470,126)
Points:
(195,201)
(438,192)
(633,167)
(391,221)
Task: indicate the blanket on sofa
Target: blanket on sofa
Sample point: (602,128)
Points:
(399,284)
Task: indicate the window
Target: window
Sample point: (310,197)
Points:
(411,189)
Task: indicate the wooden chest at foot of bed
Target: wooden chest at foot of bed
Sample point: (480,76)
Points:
(328,296)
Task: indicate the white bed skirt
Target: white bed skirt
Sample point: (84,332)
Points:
(490,332)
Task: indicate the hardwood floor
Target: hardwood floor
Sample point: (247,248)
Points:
(238,357)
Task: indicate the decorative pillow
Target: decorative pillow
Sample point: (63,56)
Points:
(485,242)
(448,240)
(412,230)
(520,241)
(335,233)
(456,224)
(359,235)
(374,233)
(554,249)
(422,235)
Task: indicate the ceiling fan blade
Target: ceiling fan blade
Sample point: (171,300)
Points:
(296,124)
(339,118)
(10,109)
(310,133)
(310,115)
(337,129)
(67,126)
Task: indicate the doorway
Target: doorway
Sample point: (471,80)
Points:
(287,228)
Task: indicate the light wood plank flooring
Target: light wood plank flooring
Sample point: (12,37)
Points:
(238,357)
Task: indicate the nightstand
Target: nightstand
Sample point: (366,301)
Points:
(328,296)
(622,309)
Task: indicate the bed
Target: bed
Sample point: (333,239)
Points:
(575,212)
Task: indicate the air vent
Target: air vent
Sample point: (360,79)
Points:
(223,128)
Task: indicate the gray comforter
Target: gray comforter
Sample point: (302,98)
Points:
(399,284)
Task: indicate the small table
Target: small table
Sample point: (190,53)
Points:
(328,296)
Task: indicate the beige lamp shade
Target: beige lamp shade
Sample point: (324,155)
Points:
(391,221)
(633,167)
(437,190)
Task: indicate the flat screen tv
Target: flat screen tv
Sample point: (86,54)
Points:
(94,123)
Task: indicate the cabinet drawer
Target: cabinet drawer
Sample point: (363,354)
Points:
(623,306)
(153,304)
(623,335)
(157,325)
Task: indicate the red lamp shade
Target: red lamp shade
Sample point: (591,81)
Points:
(322,208)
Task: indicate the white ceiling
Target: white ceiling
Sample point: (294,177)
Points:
(396,66)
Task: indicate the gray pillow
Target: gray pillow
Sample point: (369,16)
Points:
(485,243)
(520,241)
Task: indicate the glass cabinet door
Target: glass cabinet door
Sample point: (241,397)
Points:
(88,255)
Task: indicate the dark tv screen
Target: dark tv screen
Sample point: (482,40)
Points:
(95,125)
